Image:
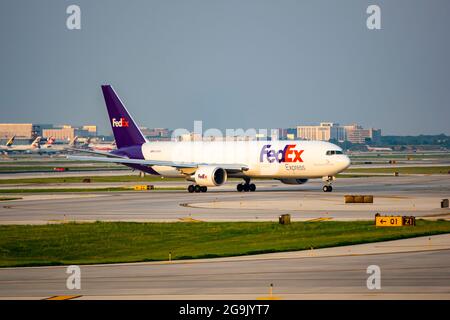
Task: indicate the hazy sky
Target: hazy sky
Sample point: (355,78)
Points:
(230,63)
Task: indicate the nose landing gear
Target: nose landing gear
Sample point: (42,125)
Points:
(328,187)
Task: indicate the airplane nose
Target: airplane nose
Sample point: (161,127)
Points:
(346,162)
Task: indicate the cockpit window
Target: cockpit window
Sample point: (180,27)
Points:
(331,152)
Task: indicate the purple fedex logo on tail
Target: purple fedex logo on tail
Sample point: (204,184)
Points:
(288,154)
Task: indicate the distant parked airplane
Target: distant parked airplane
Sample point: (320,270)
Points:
(51,147)
(9,147)
(369,148)
(102,146)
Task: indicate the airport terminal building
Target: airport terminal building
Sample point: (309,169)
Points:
(28,131)
(24,131)
(327,131)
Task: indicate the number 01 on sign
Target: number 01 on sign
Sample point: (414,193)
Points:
(394,221)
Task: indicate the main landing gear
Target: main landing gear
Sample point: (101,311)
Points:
(247,186)
(328,187)
(196,188)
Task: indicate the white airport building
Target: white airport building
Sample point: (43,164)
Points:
(327,131)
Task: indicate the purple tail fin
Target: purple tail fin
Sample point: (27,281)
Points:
(125,130)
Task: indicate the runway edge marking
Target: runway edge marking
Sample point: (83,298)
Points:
(63,297)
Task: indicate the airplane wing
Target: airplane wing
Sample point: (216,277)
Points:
(106,154)
(181,165)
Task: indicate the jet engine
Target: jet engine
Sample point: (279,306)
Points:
(210,176)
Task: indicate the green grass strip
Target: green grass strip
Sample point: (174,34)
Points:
(61,190)
(9,198)
(113,242)
(403,170)
(93,179)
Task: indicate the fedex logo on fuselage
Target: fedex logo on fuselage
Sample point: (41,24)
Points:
(288,154)
(122,122)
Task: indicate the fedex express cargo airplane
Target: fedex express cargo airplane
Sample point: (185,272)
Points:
(210,164)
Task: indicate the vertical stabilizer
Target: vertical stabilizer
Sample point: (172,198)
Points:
(125,130)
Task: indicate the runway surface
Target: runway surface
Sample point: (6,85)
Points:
(406,195)
(410,269)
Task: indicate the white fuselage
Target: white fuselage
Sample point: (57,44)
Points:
(24,148)
(102,146)
(266,159)
(49,148)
